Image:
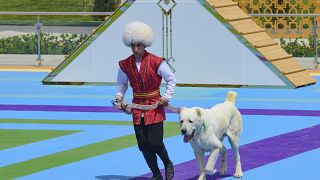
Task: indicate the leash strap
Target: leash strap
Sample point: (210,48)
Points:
(173,109)
(143,107)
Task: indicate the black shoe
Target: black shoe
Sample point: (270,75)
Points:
(157,177)
(169,171)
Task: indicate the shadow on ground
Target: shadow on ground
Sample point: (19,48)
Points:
(212,177)
(119,177)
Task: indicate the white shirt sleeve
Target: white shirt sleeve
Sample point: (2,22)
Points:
(165,72)
(122,83)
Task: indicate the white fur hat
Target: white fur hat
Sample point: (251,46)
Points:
(137,32)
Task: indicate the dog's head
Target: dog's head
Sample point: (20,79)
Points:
(190,122)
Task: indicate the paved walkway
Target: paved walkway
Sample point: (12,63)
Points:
(23,62)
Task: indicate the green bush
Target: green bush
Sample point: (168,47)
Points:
(105,6)
(50,44)
(66,43)
(299,48)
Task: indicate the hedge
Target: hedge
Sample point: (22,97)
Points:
(66,43)
(299,48)
(50,44)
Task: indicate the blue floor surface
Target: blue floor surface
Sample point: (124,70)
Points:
(22,88)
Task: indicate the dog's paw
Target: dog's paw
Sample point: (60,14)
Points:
(202,176)
(238,174)
(210,171)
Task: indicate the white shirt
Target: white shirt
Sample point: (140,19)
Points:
(164,71)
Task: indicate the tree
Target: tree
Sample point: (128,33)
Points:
(105,6)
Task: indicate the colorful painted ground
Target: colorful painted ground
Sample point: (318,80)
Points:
(73,133)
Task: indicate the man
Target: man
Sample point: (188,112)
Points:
(145,71)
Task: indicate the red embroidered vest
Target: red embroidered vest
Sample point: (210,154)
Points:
(145,86)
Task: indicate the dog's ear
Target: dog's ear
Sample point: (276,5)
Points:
(180,109)
(199,113)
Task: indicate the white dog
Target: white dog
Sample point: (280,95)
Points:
(205,130)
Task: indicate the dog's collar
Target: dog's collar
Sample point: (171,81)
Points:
(203,125)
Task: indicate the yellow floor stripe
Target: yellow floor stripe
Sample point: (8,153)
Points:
(27,68)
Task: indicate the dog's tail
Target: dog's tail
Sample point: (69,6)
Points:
(231,97)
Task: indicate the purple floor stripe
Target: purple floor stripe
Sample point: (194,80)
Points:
(282,112)
(256,154)
(60,108)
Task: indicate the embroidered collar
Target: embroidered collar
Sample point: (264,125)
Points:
(203,125)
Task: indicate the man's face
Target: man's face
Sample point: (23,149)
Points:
(138,50)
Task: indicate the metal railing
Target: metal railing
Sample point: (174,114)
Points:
(55,13)
(314,29)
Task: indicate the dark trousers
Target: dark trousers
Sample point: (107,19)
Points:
(150,143)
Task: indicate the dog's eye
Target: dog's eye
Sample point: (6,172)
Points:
(190,121)
(181,121)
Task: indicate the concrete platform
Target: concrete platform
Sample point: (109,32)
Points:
(27,62)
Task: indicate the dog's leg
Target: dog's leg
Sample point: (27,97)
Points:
(199,156)
(209,169)
(223,164)
(234,141)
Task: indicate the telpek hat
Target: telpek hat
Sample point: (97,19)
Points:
(137,32)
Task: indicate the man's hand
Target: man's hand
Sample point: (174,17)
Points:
(163,102)
(117,102)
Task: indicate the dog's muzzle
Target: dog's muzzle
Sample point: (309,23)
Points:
(187,138)
(183,132)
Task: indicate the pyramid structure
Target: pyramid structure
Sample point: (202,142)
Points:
(211,43)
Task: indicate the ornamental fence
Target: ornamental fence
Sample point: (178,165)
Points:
(305,14)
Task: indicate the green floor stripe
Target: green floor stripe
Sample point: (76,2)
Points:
(77,154)
(85,122)
(12,137)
